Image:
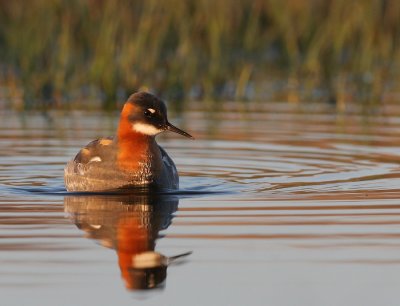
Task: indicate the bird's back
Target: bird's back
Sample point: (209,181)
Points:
(96,168)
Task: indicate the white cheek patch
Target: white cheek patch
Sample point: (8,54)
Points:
(146,129)
(147,260)
(95,159)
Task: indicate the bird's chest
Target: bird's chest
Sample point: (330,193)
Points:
(141,163)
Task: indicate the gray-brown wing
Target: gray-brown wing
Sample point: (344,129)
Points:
(99,150)
(93,167)
(170,173)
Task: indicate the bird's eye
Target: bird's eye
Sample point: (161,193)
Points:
(149,112)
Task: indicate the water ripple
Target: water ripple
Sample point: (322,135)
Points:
(274,188)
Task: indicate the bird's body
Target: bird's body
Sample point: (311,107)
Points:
(130,159)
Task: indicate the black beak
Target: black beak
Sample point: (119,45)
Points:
(170,127)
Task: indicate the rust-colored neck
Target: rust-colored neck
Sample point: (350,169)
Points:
(133,147)
(132,239)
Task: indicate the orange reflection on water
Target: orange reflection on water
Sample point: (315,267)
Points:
(130,225)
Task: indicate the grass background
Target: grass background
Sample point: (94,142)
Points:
(94,53)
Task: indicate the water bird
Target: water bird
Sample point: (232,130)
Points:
(130,159)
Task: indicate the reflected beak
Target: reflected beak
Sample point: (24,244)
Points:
(170,127)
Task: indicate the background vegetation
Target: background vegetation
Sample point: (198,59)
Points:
(58,52)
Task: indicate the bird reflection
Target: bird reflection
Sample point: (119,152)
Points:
(130,224)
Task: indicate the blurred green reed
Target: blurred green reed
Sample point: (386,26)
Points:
(72,53)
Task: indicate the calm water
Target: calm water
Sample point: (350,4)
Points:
(279,205)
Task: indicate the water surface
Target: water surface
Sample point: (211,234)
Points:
(279,205)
